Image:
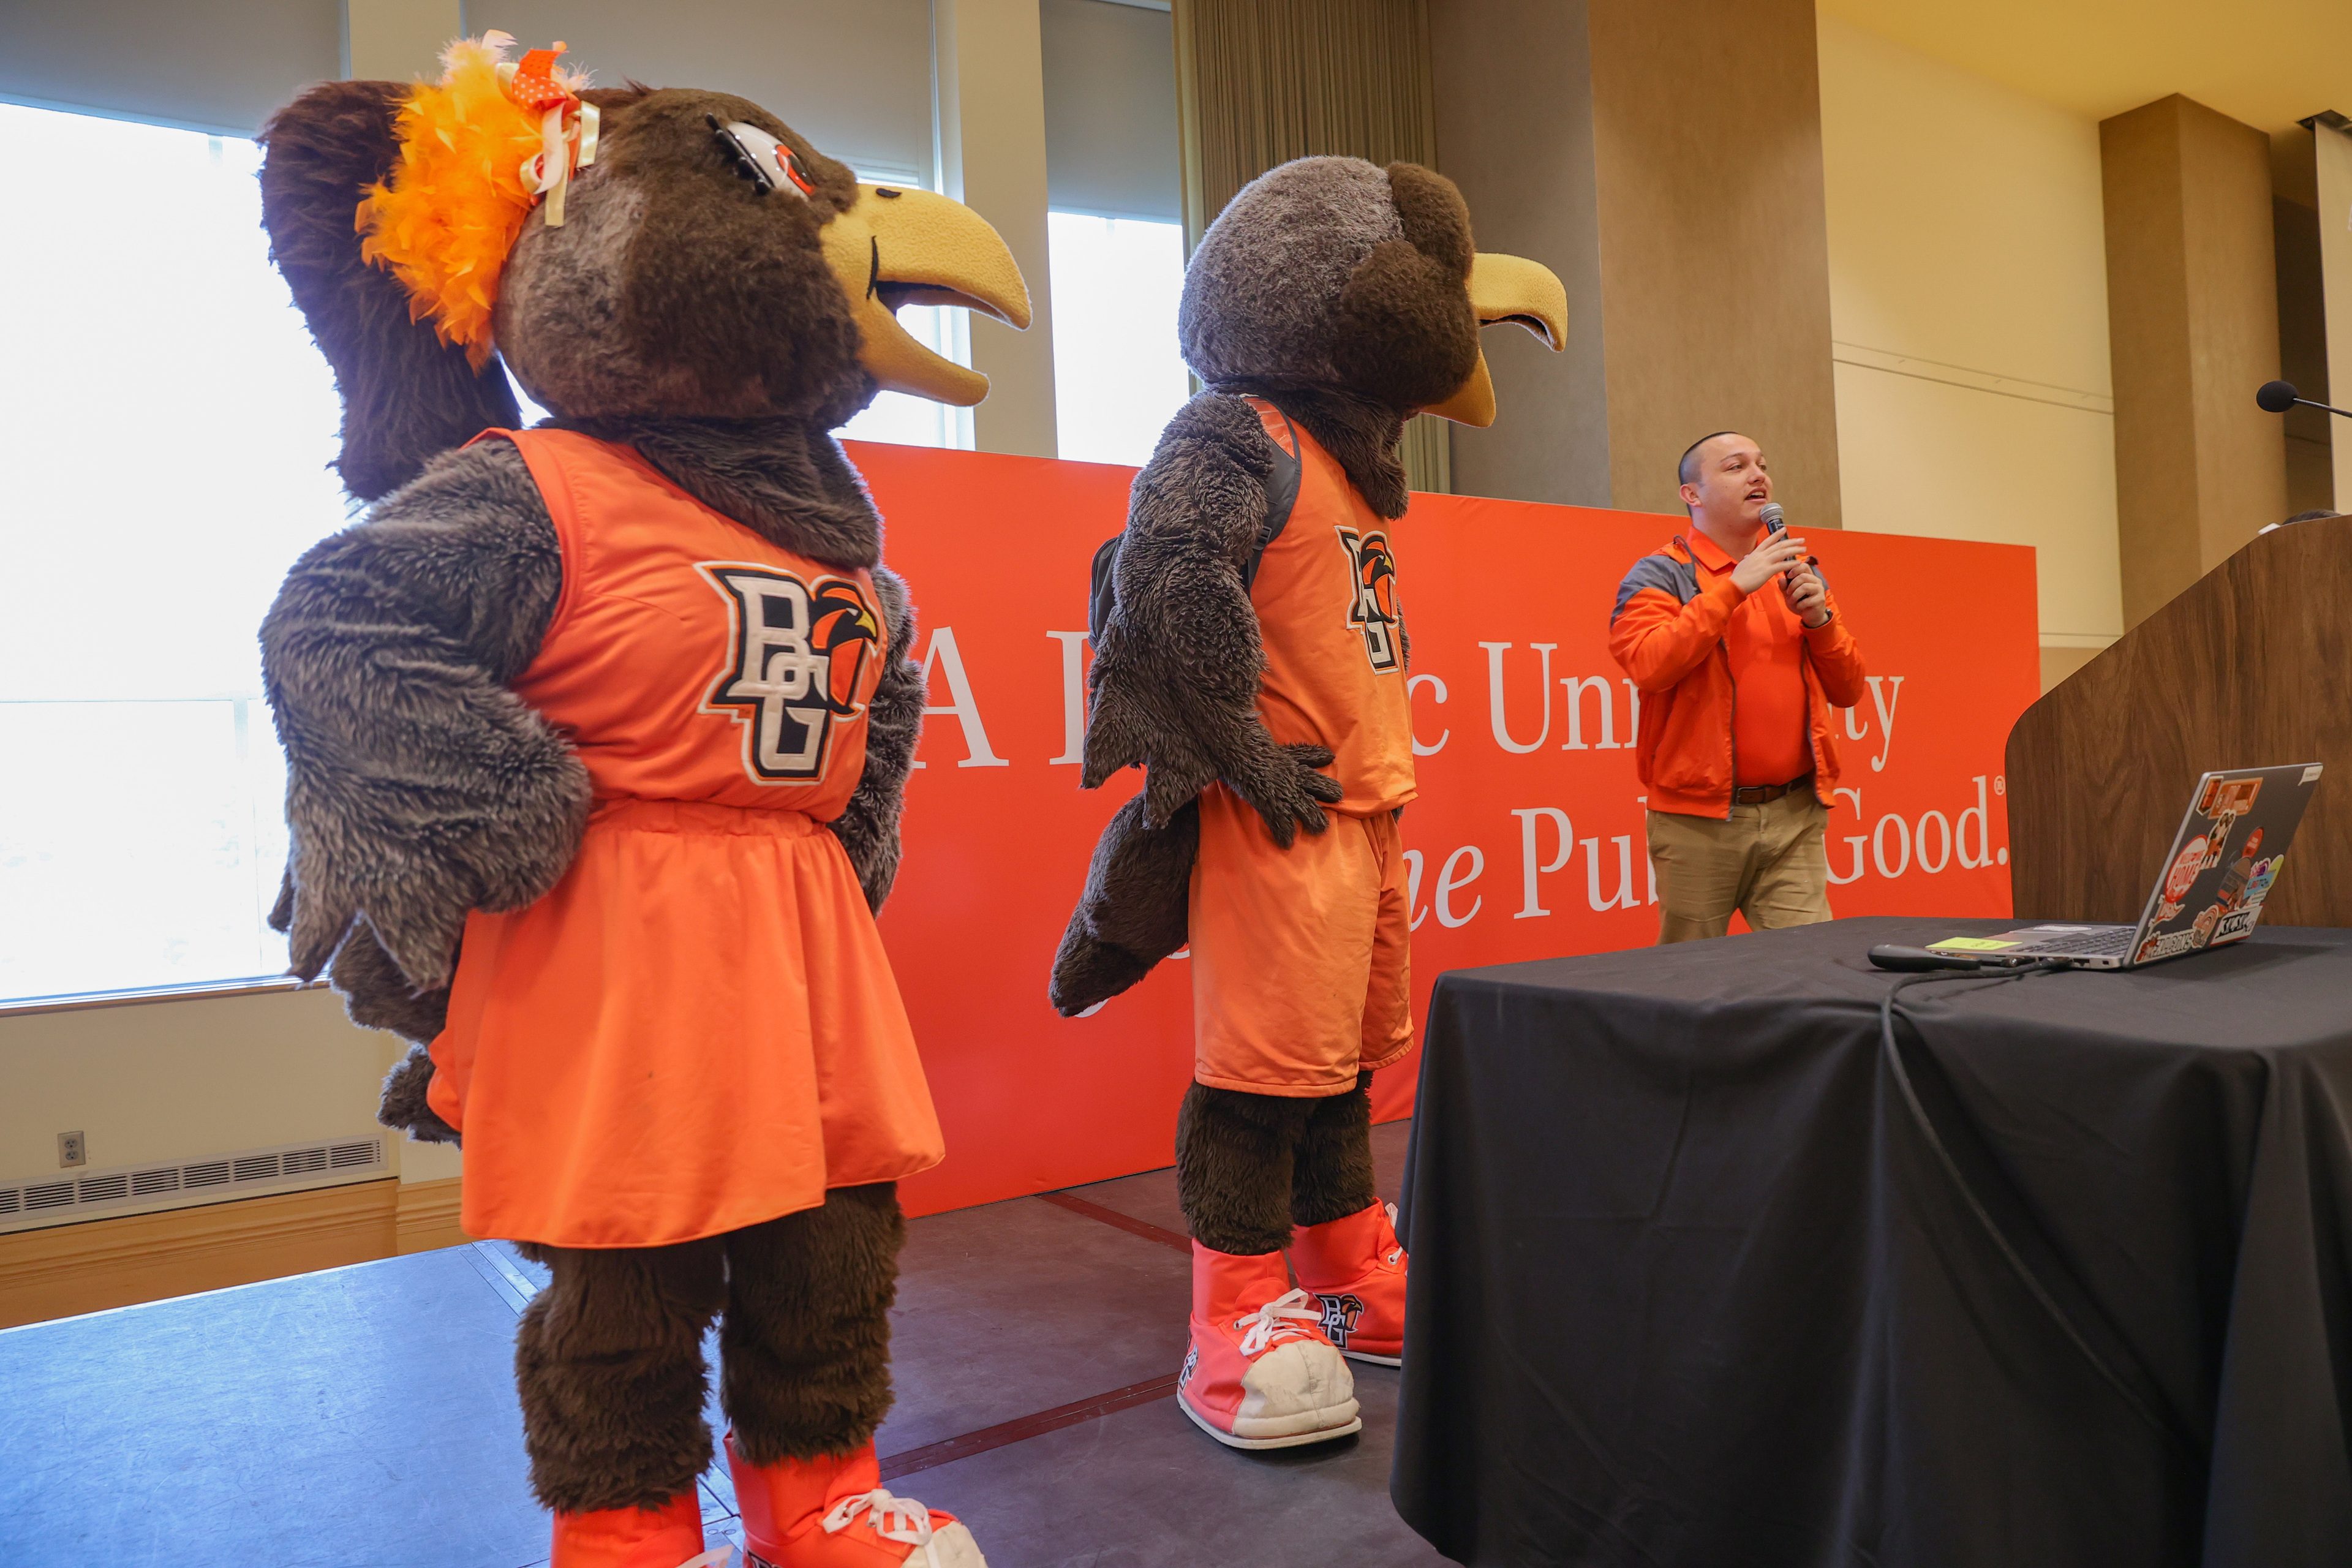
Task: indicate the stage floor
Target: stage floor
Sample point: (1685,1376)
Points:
(365,1418)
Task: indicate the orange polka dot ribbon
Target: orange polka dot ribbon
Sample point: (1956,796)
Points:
(568,125)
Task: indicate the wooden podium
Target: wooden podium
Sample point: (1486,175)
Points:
(2250,667)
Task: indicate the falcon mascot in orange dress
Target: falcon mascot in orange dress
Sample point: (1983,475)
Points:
(1253,662)
(596,736)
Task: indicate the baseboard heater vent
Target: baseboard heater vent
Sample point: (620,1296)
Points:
(142,1188)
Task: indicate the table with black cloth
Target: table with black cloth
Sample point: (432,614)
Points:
(1701,1277)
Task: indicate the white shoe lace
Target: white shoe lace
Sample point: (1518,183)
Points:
(1279,1321)
(1394,1252)
(898,1518)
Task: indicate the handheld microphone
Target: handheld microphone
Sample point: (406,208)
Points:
(1776,523)
(2278,396)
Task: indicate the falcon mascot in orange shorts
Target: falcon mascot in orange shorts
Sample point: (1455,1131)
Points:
(1253,662)
(596,735)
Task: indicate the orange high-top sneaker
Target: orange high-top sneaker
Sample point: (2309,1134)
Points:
(833,1513)
(1355,1267)
(1259,1374)
(669,1536)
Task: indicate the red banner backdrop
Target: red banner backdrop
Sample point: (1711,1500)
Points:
(1527,841)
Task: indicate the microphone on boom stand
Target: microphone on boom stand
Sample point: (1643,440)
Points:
(2278,396)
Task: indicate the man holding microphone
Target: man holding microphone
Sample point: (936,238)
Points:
(1736,644)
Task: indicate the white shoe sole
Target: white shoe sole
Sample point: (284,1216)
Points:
(1293,1440)
(1374,1359)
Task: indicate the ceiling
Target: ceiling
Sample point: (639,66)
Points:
(2268,63)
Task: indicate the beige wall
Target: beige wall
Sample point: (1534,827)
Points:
(1709,167)
(176,1080)
(1968,310)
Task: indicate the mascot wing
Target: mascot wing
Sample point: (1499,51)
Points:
(419,787)
(1175,692)
(1176,676)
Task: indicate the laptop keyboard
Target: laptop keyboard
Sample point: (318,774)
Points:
(2114,941)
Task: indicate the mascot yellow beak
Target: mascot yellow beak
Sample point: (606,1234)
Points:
(899,246)
(1506,289)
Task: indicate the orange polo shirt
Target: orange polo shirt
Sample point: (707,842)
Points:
(1766,644)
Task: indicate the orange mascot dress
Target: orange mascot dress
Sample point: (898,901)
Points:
(697,1028)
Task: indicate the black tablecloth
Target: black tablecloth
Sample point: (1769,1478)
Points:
(1692,1286)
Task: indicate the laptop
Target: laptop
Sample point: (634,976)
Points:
(2224,863)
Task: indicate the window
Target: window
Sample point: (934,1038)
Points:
(165,427)
(1117,376)
(917,421)
(165,430)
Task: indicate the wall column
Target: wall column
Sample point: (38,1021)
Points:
(988,69)
(2332,155)
(1664,158)
(2193,317)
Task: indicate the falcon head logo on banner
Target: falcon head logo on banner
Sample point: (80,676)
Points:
(796,655)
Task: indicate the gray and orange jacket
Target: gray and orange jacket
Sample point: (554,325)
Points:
(1667,632)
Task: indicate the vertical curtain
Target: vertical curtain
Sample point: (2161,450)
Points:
(1259,82)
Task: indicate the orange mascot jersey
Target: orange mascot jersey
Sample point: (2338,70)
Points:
(1300,966)
(696,1029)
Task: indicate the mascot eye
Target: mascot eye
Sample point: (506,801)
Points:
(760,158)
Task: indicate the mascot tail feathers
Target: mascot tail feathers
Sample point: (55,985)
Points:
(1134,910)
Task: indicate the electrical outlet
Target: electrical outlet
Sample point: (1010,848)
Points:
(72,1149)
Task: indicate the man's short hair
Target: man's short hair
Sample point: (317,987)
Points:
(1683,469)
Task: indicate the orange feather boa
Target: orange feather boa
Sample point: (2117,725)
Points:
(444,221)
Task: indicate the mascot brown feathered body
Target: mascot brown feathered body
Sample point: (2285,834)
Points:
(1254,666)
(596,737)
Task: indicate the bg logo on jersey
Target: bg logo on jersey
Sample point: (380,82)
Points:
(1372,571)
(796,654)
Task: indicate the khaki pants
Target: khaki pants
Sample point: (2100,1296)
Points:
(1768,862)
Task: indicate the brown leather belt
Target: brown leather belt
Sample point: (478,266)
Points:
(1758,795)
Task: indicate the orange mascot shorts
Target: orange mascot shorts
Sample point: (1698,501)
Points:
(1300,978)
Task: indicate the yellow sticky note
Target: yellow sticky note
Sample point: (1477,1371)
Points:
(1968,944)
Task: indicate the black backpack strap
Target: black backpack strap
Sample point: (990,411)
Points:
(1281,494)
(1102,594)
(1281,491)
